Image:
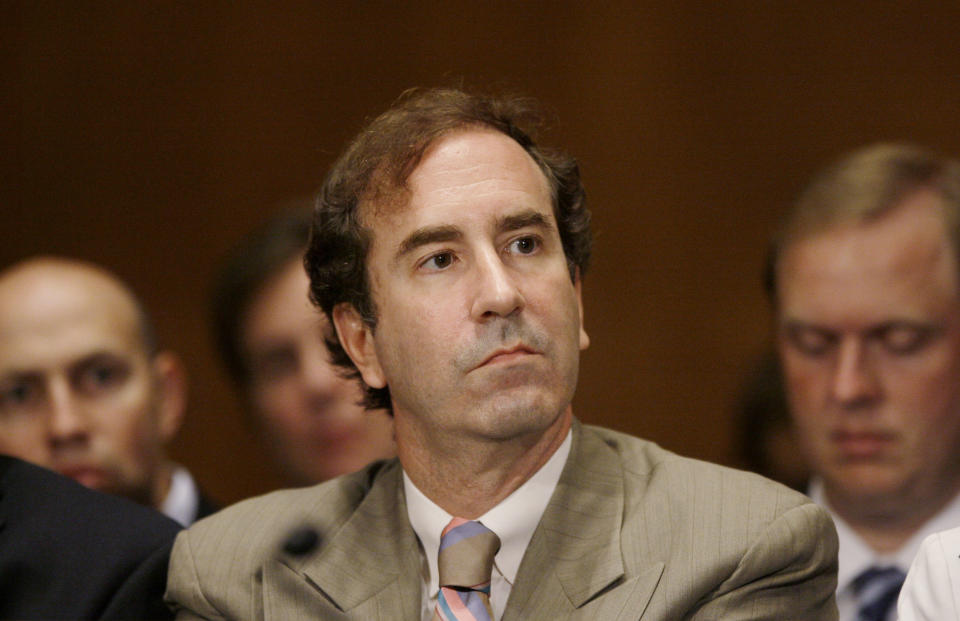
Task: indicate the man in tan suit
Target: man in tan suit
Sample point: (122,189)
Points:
(448,250)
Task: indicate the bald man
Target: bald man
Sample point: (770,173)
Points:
(84,390)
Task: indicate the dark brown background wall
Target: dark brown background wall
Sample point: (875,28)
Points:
(150,136)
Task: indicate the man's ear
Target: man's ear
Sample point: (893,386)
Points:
(171,385)
(584,339)
(357,340)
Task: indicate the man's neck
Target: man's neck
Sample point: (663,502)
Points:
(471,477)
(886,527)
(161,484)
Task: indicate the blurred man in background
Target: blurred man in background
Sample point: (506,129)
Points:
(84,389)
(865,283)
(271,340)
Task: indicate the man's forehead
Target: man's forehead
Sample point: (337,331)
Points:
(870,273)
(65,314)
(914,231)
(460,168)
(476,152)
(66,335)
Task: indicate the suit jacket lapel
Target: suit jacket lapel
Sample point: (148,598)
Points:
(575,554)
(371,567)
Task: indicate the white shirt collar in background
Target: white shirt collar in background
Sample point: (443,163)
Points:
(856,556)
(183,499)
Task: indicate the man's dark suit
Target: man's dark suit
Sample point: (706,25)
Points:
(631,532)
(67,552)
(205,506)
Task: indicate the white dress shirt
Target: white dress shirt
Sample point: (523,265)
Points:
(932,589)
(856,556)
(183,498)
(513,520)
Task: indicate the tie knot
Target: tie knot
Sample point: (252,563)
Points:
(877,589)
(466,554)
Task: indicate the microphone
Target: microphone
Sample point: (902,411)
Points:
(301,541)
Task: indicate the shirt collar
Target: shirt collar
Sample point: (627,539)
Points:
(514,519)
(856,556)
(182,499)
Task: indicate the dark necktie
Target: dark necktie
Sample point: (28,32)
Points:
(465,564)
(877,589)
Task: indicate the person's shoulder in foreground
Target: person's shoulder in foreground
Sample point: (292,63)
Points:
(931,591)
(632,532)
(728,544)
(68,552)
(225,566)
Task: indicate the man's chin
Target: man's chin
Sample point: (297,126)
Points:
(871,486)
(88,476)
(509,417)
(105,482)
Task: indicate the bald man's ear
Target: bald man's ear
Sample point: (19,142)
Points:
(171,384)
(356,338)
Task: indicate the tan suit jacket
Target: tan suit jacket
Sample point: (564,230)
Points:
(631,532)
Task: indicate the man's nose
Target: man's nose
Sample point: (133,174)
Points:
(854,380)
(497,292)
(67,420)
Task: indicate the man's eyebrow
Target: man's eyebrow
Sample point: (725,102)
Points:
(793,323)
(428,235)
(523,220)
(445,233)
(17,375)
(100,355)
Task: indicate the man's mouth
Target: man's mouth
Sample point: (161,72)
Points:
(506,355)
(89,476)
(862,444)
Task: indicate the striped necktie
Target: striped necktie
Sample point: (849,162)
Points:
(465,563)
(877,589)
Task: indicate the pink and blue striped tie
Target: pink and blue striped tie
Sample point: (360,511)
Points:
(465,563)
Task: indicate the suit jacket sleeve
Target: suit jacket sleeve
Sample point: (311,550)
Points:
(787,573)
(184,584)
(150,577)
(932,589)
(636,532)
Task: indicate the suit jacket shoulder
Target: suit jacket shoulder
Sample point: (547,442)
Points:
(634,531)
(236,563)
(68,552)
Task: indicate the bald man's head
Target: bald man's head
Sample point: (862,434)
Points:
(46,275)
(82,388)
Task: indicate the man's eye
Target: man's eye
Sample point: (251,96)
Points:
(275,364)
(15,395)
(101,376)
(904,339)
(21,396)
(439,261)
(525,245)
(810,341)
